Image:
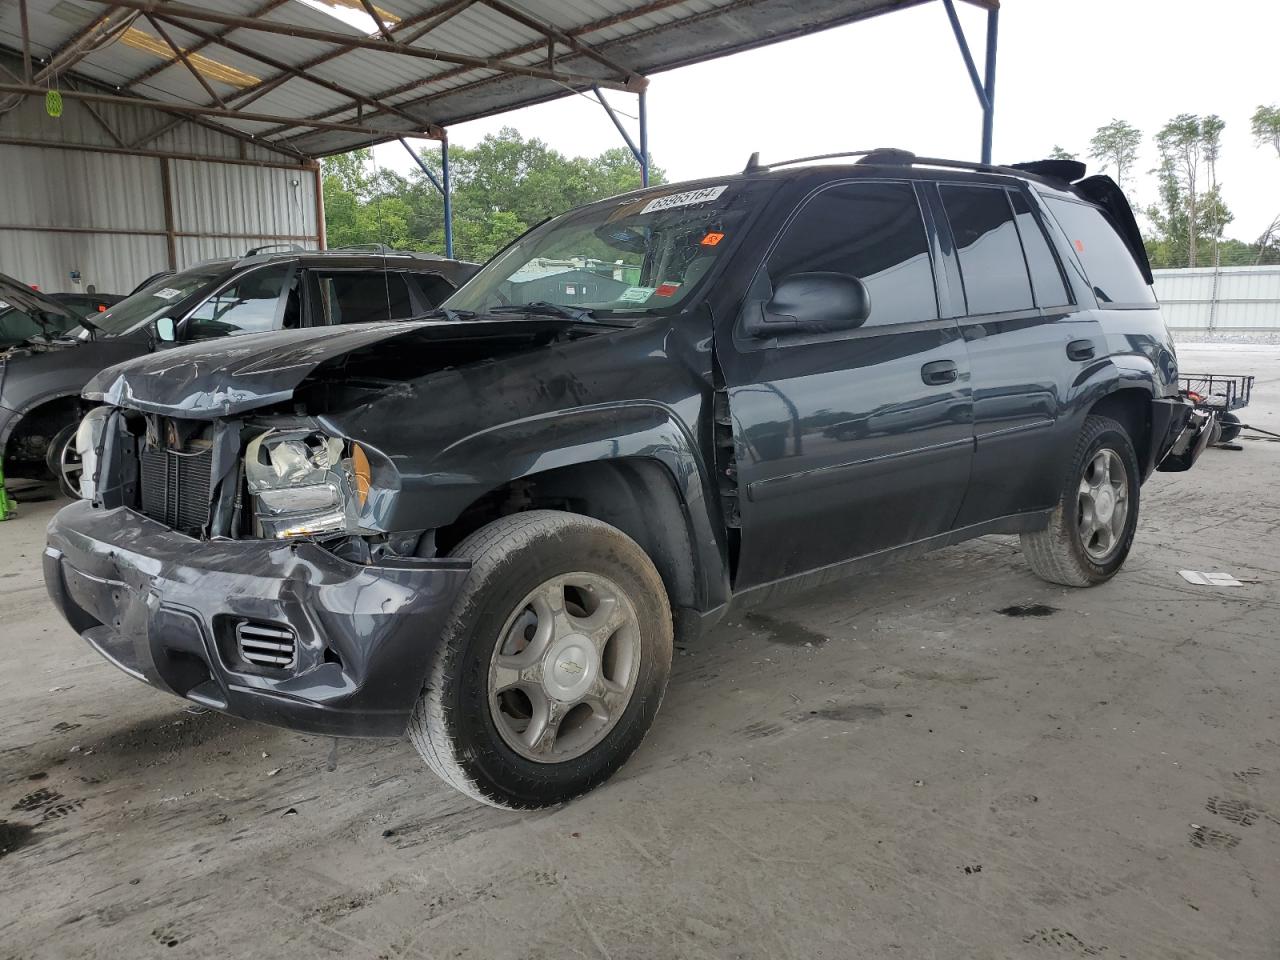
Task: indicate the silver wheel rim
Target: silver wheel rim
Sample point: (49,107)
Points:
(70,465)
(565,667)
(1103,505)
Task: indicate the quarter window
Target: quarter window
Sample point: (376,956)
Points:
(872,231)
(1106,260)
(991,263)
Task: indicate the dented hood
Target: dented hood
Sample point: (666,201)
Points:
(226,377)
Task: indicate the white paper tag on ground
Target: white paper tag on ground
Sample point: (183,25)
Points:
(686,199)
(1210,579)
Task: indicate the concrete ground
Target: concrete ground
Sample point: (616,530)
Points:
(894,767)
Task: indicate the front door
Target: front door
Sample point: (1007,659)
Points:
(848,443)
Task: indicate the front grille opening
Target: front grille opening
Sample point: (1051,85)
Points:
(177,486)
(266,645)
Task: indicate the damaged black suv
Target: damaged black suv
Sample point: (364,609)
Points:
(488,527)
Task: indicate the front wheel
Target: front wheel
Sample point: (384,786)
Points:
(552,665)
(63,460)
(1092,527)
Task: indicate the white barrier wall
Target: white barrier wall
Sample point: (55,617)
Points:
(1235,300)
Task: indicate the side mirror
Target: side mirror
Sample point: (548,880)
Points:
(811,303)
(166,330)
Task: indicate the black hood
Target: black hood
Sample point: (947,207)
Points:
(225,377)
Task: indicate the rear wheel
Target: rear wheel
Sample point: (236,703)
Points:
(1091,529)
(552,665)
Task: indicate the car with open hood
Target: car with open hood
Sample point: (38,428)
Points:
(488,527)
(46,358)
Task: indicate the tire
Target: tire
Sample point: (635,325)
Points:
(469,735)
(63,462)
(1074,550)
(1229,425)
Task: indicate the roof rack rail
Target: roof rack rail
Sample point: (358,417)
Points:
(1061,171)
(290,247)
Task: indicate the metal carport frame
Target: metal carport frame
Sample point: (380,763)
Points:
(485,57)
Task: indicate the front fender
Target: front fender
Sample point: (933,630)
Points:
(487,459)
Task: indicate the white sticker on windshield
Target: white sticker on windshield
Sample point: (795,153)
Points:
(168,293)
(636,294)
(686,199)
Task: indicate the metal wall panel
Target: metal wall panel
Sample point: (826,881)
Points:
(112,264)
(216,198)
(1246,299)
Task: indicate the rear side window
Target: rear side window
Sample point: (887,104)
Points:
(1107,262)
(360,296)
(991,263)
(871,231)
(1046,276)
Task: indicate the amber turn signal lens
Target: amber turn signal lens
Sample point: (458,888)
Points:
(360,467)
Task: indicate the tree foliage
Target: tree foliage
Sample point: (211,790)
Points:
(1265,127)
(500,188)
(1060,152)
(1116,145)
(1190,215)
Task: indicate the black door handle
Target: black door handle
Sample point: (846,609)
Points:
(939,372)
(1080,350)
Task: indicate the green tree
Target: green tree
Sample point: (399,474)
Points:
(1265,126)
(501,187)
(1061,153)
(1190,211)
(1116,145)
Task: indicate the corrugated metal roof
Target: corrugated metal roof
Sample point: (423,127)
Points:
(569,44)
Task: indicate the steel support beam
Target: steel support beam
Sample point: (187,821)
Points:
(186,61)
(644,141)
(199,111)
(631,144)
(26,41)
(441,184)
(182,12)
(989,114)
(983,85)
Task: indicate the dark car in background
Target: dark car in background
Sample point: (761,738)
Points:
(87,304)
(48,359)
(488,528)
(26,314)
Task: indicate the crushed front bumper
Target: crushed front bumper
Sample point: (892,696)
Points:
(166,608)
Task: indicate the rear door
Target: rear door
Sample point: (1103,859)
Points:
(1026,340)
(848,443)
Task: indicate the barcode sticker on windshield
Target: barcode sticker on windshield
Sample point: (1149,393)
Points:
(686,199)
(168,293)
(636,294)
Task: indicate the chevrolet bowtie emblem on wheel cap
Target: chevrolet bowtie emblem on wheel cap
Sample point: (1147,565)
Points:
(568,666)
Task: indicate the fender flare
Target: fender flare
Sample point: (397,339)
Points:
(19,415)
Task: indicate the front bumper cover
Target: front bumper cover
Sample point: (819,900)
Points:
(164,608)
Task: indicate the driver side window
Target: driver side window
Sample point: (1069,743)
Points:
(872,231)
(251,304)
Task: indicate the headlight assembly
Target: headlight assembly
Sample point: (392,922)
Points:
(88,442)
(302,485)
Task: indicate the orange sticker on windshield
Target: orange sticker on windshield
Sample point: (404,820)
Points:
(711,239)
(1079,246)
(666,290)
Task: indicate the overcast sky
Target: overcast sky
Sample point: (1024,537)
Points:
(898,80)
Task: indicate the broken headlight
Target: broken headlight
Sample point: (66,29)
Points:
(88,442)
(304,484)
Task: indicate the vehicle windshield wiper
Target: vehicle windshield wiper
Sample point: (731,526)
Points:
(92,327)
(445,313)
(548,309)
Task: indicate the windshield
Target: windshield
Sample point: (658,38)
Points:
(153,300)
(638,254)
(17,326)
